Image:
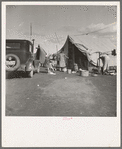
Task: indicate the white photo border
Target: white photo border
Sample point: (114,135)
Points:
(54,131)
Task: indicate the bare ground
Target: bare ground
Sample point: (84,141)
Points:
(60,95)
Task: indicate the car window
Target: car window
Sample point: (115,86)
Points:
(13,45)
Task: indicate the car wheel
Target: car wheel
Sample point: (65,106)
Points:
(38,68)
(12,62)
(30,73)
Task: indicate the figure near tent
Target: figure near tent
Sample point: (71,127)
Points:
(48,63)
(62,60)
(105,60)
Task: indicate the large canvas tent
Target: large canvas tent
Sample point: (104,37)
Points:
(84,50)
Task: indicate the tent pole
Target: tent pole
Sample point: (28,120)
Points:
(73,57)
(99,59)
(99,64)
(88,63)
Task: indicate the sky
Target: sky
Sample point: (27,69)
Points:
(52,23)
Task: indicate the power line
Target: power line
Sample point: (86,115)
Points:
(93,31)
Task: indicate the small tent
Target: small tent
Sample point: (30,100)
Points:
(84,50)
(41,54)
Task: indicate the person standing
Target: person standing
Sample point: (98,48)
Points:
(62,60)
(105,60)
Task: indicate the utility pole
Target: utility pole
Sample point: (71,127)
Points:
(58,42)
(57,37)
(30,31)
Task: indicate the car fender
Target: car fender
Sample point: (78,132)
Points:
(36,63)
(29,65)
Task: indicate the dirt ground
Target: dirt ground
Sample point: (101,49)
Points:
(61,95)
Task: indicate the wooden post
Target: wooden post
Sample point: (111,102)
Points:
(33,45)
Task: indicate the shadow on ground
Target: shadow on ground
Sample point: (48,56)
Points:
(16,74)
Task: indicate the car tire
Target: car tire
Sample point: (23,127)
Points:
(30,74)
(14,66)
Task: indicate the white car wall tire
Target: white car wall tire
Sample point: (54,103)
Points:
(15,59)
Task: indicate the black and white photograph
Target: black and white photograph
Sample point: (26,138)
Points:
(61,74)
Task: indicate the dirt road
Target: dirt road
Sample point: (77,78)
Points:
(61,95)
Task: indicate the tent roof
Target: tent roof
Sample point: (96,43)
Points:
(43,50)
(89,44)
(92,43)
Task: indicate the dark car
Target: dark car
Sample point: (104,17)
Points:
(20,56)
